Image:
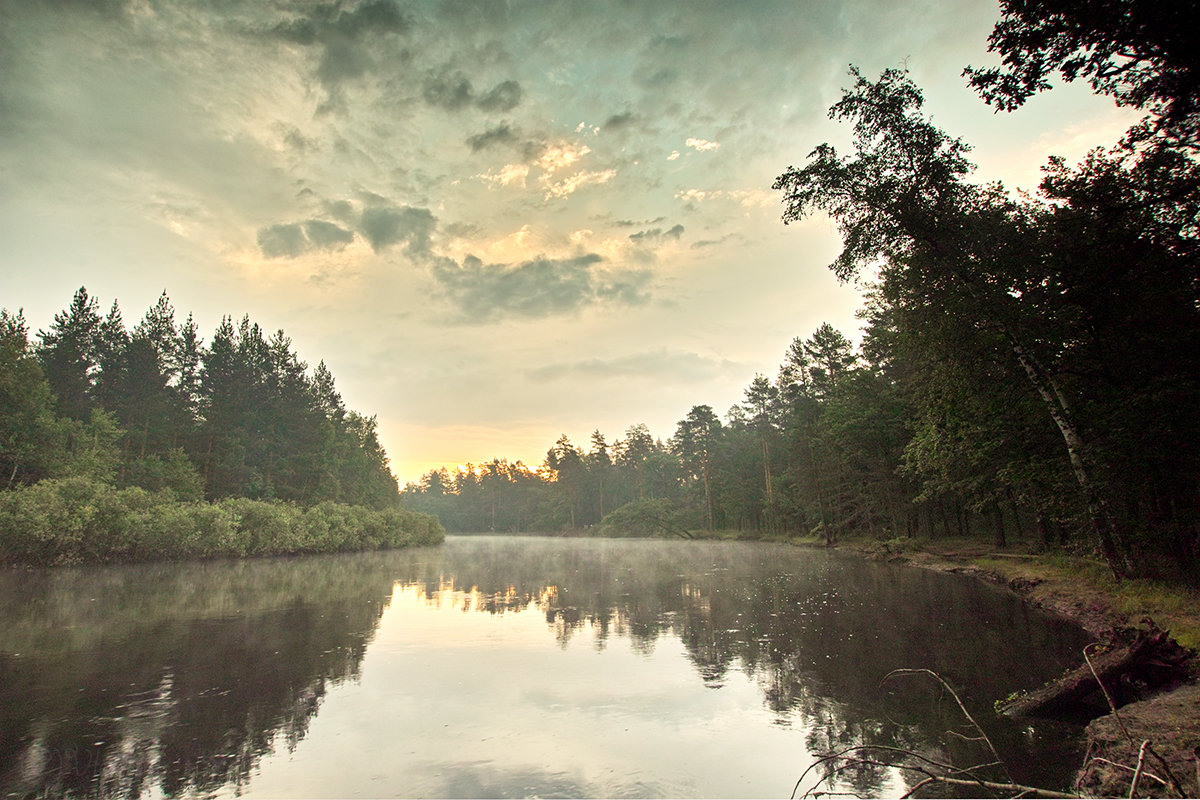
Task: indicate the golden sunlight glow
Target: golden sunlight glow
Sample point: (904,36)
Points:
(558,156)
(569,185)
(507,175)
(523,244)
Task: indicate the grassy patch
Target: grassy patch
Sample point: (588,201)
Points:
(1174,608)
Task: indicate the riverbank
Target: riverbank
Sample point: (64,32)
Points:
(1082,590)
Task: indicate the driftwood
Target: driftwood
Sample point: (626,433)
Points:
(1151,660)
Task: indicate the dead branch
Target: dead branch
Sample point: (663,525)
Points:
(983,735)
(1137,772)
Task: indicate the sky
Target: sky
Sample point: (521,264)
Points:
(496,221)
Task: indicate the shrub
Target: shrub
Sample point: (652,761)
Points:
(78,519)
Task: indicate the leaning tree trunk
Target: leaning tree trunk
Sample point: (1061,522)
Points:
(1103,527)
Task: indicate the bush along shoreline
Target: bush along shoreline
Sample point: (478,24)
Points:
(83,521)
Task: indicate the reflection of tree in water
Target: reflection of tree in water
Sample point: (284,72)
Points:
(116,680)
(182,677)
(817,640)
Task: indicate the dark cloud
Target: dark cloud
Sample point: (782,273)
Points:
(619,121)
(452,90)
(655,364)
(290,240)
(282,241)
(371,16)
(342,36)
(704,243)
(340,209)
(657,234)
(469,14)
(388,226)
(502,134)
(633,223)
(542,287)
(108,8)
(298,142)
(326,235)
(504,96)
(463,229)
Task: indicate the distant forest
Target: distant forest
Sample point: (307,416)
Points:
(108,436)
(1030,366)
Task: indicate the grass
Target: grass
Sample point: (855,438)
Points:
(1172,607)
(1077,586)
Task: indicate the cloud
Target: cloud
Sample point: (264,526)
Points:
(538,288)
(652,365)
(342,37)
(291,240)
(453,91)
(326,235)
(504,96)
(570,185)
(632,223)
(618,121)
(502,134)
(384,227)
(747,198)
(657,234)
(557,156)
(450,91)
(507,175)
(282,241)
(706,243)
(702,144)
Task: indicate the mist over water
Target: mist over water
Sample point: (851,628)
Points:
(507,666)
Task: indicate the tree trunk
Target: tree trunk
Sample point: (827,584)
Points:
(1001,537)
(1153,657)
(1103,527)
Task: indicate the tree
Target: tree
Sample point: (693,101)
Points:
(67,353)
(761,403)
(1141,54)
(829,355)
(695,444)
(31,439)
(566,463)
(111,342)
(902,198)
(599,465)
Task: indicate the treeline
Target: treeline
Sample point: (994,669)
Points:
(1029,365)
(232,446)
(818,450)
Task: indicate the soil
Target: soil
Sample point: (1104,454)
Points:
(1170,721)
(1171,724)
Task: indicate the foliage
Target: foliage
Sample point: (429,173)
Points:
(112,440)
(80,520)
(1140,54)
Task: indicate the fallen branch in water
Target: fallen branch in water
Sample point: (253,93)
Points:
(851,757)
(930,771)
(1152,659)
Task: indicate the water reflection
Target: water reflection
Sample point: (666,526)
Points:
(180,679)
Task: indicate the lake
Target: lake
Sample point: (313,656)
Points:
(498,666)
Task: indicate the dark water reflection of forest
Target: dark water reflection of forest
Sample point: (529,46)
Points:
(505,666)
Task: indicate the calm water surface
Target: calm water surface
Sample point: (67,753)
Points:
(506,667)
